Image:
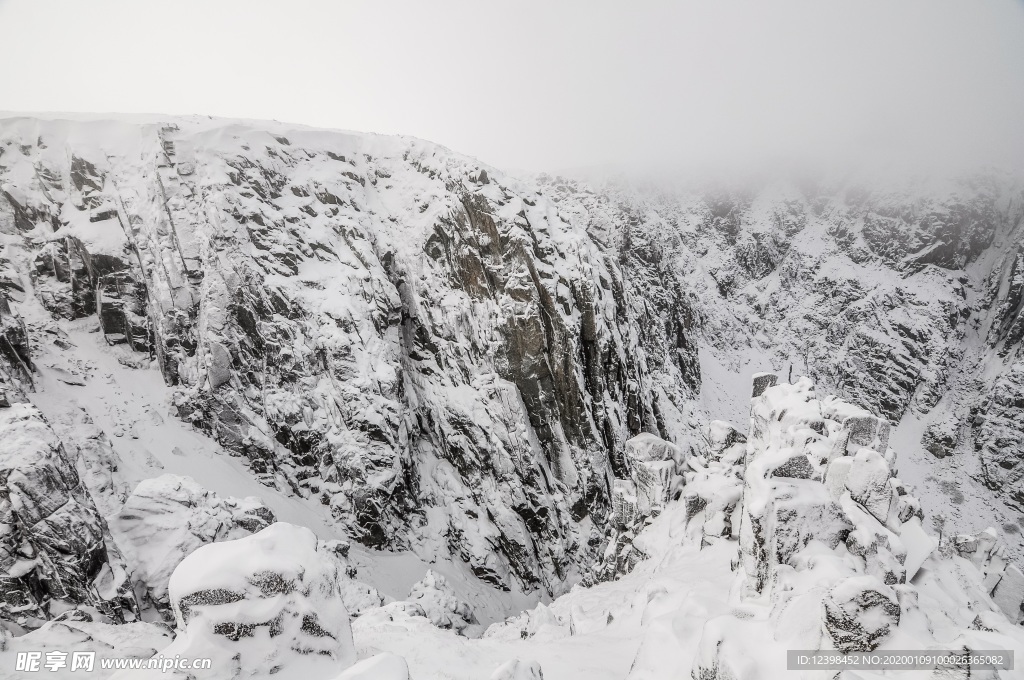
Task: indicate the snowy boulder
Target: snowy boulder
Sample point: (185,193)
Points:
(868,431)
(440,603)
(517,669)
(711,498)
(259,603)
(647,447)
(167,518)
(860,612)
(795,512)
(868,482)
(725,442)
(879,545)
(940,439)
(837,473)
(655,467)
(801,512)
(796,466)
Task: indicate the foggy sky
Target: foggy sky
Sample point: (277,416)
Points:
(551,85)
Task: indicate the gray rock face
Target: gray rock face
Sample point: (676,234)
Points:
(369,322)
(55,549)
(999,437)
(784,269)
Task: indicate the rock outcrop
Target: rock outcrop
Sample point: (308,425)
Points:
(56,552)
(261,602)
(830,542)
(374,322)
(440,604)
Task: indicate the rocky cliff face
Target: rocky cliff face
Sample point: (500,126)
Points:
(56,552)
(433,350)
(453,360)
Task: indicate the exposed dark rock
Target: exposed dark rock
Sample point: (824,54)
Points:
(56,550)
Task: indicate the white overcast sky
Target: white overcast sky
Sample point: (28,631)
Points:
(549,85)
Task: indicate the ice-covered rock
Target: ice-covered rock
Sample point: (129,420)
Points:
(940,439)
(868,483)
(725,442)
(440,604)
(655,467)
(260,603)
(167,518)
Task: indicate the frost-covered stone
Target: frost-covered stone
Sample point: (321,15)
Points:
(725,442)
(860,612)
(868,431)
(655,467)
(711,497)
(167,518)
(440,604)
(261,602)
(763,381)
(940,439)
(868,483)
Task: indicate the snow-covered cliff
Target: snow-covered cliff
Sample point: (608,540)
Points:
(513,377)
